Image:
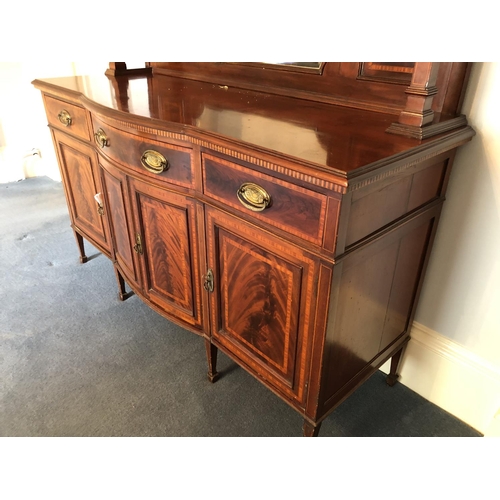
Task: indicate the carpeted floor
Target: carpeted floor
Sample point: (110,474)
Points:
(74,361)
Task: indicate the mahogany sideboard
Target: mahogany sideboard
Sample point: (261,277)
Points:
(284,213)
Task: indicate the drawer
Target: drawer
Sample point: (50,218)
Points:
(292,208)
(147,157)
(68,117)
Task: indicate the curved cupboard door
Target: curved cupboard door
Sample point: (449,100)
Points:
(166,224)
(115,184)
(79,169)
(262,301)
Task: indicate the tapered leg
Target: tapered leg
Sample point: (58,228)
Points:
(81,248)
(122,293)
(393,376)
(212,361)
(310,430)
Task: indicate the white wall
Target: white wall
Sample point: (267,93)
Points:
(23,124)
(461,294)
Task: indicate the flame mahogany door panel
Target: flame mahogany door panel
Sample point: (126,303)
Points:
(116,193)
(261,306)
(78,162)
(166,223)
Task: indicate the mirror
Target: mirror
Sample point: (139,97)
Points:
(312,65)
(296,67)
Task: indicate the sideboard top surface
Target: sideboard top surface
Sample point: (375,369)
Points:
(344,140)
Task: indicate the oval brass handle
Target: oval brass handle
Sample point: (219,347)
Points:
(253,197)
(154,162)
(64,118)
(101,138)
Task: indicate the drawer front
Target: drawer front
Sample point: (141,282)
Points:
(68,117)
(292,208)
(148,157)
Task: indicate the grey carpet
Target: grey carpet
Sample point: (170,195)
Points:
(74,361)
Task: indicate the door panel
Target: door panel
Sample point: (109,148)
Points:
(166,222)
(266,289)
(116,194)
(261,306)
(81,181)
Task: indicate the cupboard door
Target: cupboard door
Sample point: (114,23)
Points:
(166,222)
(79,169)
(261,305)
(120,219)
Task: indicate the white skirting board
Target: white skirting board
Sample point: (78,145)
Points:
(453,378)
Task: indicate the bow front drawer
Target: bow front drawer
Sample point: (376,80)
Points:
(284,205)
(68,117)
(148,157)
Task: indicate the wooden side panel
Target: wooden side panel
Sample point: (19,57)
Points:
(375,206)
(378,208)
(404,285)
(426,185)
(452,83)
(82,183)
(364,293)
(167,224)
(115,187)
(261,306)
(376,288)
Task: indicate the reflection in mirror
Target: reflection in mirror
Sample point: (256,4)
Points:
(313,65)
(294,67)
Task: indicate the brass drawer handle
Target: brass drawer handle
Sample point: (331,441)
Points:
(154,162)
(64,118)
(253,197)
(101,138)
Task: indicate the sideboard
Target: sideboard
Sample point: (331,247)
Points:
(285,213)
